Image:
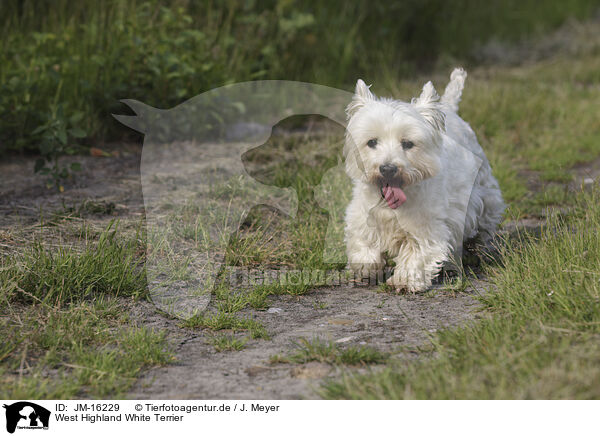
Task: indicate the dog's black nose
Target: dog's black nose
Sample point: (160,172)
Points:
(388,170)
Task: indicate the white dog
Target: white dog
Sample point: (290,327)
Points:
(422,184)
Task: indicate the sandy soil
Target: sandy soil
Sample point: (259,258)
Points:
(353,315)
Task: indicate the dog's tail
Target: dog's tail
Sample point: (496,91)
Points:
(454,89)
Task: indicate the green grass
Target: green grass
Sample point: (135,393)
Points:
(295,286)
(66,274)
(87,347)
(90,207)
(539,336)
(316,350)
(258,299)
(65,333)
(320,305)
(227,321)
(228,300)
(227,343)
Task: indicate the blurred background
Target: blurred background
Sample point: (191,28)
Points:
(65,65)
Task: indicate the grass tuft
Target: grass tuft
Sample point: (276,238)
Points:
(84,347)
(227,321)
(331,353)
(66,274)
(228,343)
(61,343)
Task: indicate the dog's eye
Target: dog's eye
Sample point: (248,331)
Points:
(407,144)
(372,143)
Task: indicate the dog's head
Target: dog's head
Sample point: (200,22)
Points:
(393,144)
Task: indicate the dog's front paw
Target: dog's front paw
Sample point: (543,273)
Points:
(366,264)
(412,281)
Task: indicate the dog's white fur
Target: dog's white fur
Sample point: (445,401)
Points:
(451,193)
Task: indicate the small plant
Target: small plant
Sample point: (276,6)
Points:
(258,299)
(384,288)
(87,207)
(331,353)
(227,321)
(56,139)
(381,304)
(60,276)
(228,343)
(320,305)
(278,358)
(230,302)
(87,344)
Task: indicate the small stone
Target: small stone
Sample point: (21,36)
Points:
(343,340)
(253,371)
(341,321)
(588,181)
(274,310)
(311,370)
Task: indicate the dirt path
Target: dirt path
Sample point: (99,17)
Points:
(352,315)
(115,179)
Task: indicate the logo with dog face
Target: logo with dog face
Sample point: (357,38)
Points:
(26,415)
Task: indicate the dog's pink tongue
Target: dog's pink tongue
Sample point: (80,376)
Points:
(394,196)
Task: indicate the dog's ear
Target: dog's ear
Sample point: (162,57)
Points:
(428,106)
(362,94)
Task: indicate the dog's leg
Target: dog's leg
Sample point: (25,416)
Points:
(417,263)
(363,259)
(362,245)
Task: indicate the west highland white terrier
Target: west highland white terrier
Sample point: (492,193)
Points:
(422,184)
